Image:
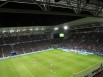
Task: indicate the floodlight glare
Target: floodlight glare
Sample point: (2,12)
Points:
(36,29)
(24,29)
(11,31)
(4,31)
(56,28)
(18,31)
(42,28)
(31,29)
(65,27)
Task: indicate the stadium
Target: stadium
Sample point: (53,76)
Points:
(51,38)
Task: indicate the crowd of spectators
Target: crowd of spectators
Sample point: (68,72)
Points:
(90,41)
(23,44)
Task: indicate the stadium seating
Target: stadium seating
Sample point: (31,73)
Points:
(23,44)
(85,40)
(90,41)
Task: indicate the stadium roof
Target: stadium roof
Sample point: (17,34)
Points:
(84,21)
(14,19)
(41,27)
(23,15)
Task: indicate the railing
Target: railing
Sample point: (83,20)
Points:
(89,70)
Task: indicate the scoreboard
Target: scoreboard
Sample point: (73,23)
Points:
(59,35)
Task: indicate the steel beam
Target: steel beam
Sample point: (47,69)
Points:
(2,10)
(4,3)
(77,5)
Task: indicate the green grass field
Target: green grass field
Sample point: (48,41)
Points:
(53,63)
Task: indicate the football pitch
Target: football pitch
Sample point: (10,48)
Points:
(52,63)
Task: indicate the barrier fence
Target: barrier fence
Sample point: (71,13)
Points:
(90,71)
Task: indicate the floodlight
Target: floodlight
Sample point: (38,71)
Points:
(56,28)
(11,31)
(24,29)
(4,31)
(31,29)
(36,29)
(65,27)
(18,31)
(42,29)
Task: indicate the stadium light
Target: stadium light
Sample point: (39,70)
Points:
(11,31)
(36,29)
(24,29)
(18,31)
(4,31)
(42,29)
(31,29)
(65,27)
(56,28)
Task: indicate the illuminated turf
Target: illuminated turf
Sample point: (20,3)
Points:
(53,63)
